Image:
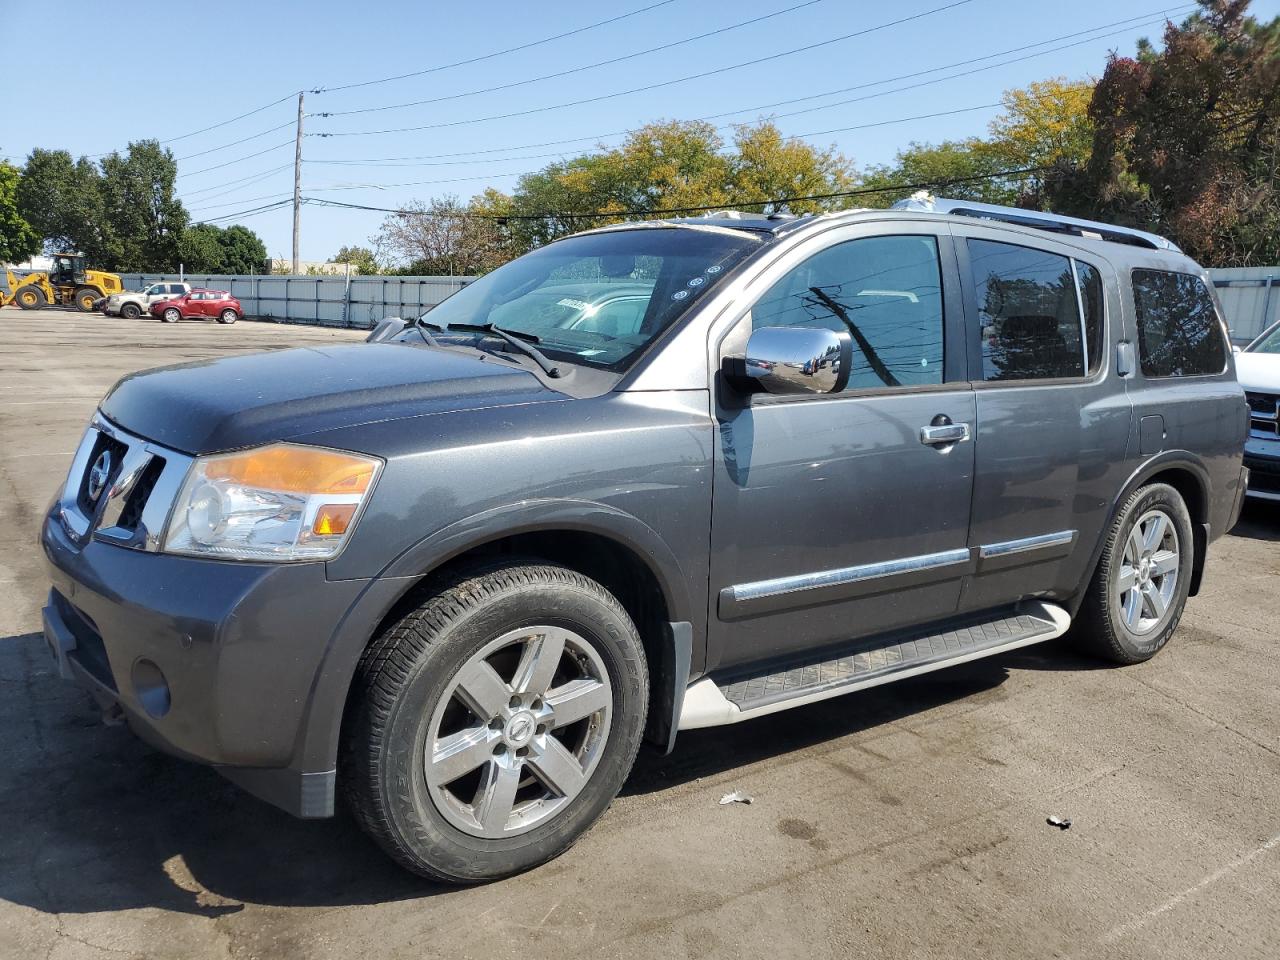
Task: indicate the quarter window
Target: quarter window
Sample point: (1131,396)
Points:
(885,292)
(1091,302)
(1179,334)
(1030,318)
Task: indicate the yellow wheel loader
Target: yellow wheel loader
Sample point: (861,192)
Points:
(68,283)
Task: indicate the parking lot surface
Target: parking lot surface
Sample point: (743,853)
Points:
(906,822)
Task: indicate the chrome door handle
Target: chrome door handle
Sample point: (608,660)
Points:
(944,434)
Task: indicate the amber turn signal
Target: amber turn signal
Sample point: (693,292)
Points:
(332,519)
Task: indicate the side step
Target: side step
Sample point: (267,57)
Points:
(708,703)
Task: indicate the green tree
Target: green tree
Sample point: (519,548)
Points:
(61,199)
(145,222)
(1187,139)
(201,248)
(672,164)
(242,251)
(362,259)
(1043,125)
(18,240)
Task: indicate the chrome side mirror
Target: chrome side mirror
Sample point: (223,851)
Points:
(386,329)
(790,360)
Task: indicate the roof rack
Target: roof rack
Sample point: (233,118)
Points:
(1054,222)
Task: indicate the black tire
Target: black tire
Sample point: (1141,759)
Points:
(131,311)
(406,675)
(84,298)
(228,316)
(29,298)
(171,315)
(1101,629)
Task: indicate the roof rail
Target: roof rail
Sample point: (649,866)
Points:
(1055,222)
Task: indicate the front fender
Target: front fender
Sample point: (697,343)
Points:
(319,739)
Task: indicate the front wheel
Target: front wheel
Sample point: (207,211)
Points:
(131,311)
(228,316)
(29,298)
(1139,590)
(171,315)
(496,722)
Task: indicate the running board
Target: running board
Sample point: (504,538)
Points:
(711,704)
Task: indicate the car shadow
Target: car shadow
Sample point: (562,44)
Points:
(1259,520)
(108,824)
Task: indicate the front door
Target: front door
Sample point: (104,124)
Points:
(832,518)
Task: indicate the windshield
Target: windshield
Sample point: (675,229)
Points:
(600,299)
(1269,343)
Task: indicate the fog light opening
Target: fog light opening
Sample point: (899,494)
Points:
(151,688)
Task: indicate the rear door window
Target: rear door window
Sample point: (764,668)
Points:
(1179,333)
(1028,311)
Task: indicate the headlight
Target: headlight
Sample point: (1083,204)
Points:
(281,502)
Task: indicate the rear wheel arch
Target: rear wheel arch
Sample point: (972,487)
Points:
(1184,472)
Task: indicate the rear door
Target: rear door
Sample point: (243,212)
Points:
(1052,414)
(831,518)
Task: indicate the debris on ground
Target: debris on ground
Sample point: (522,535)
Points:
(1062,823)
(736,797)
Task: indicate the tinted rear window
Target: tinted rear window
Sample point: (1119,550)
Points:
(1179,334)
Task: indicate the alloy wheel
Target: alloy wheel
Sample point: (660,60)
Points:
(1147,582)
(519,731)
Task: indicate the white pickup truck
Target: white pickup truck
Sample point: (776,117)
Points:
(132,304)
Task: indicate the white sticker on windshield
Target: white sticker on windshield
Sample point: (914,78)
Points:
(679,294)
(589,353)
(697,281)
(713,270)
(570,302)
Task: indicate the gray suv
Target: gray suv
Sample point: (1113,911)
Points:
(701,471)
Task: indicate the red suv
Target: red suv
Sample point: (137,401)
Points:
(199,305)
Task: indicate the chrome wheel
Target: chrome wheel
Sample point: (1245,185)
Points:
(172,316)
(518,732)
(1148,577)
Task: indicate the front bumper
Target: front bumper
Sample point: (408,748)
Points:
(212,661)
(1262,457)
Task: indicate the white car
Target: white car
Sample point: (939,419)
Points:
(1258,370)
(132,303)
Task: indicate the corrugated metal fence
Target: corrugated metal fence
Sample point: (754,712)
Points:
(1250,298)
(330,301)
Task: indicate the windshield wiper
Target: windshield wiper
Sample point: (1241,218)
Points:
(422,324)
(524,342)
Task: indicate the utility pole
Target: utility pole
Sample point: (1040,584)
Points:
(297,186)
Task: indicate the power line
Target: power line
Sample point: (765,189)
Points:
(1130,24)
(248,177)
(654,86)
(249,156)
(496,53)
(223,123)
(233,143)
(572,70)
(861,191)
(243,214)
(512,173)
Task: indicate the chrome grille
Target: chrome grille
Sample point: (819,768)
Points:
(120,488)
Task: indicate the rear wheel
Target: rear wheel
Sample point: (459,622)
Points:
(1138,592)
(85,298)
(131,311)
(228,316)
(30,298)
(171,315)
(495,722)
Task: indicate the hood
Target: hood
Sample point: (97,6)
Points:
(1259,371)
(258,398)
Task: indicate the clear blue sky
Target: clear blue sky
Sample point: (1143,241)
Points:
(194,65)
